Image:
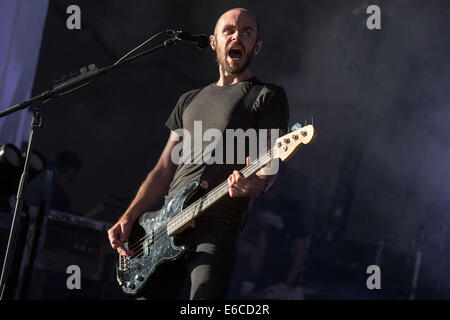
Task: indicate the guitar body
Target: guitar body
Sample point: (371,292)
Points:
(151,244)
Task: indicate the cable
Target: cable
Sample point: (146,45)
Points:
(115,63)
(139,46)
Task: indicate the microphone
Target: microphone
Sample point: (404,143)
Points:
(199,40)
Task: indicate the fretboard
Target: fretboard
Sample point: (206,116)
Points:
(187,215)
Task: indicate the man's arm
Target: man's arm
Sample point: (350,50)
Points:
(152,189)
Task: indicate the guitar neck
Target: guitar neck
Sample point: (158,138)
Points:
(284,148)
(180,221)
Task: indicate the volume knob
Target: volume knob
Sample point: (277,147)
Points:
(139,277)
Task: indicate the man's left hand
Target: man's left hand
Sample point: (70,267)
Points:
(245,187)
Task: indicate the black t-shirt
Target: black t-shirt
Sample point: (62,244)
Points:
(219,107)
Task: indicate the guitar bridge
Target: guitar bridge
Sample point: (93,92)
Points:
(150,239)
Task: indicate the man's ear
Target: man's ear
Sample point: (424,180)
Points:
(258,46)
(212,42)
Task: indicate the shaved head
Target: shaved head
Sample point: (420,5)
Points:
(234,11)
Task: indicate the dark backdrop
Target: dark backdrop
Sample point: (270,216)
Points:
(380,100)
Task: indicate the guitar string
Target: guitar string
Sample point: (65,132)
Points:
(160,232)
(217,190)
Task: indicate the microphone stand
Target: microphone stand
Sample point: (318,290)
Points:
(40,99)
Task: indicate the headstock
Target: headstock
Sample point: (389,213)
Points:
(287,145)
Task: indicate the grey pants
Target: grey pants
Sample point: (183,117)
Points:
(209,263)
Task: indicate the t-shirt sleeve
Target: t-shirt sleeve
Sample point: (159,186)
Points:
(274,110)
(175,120)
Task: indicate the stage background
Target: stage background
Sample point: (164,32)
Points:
(379,167)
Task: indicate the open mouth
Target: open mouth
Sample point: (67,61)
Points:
(235,53)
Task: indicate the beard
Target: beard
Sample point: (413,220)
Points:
(246,61)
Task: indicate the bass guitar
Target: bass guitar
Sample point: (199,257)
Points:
(152,236)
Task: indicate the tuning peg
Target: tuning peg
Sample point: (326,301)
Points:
(296,127)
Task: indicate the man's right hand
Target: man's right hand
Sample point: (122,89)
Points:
(118,235)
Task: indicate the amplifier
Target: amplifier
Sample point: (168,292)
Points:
(68,239)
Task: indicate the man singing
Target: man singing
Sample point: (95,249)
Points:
(221,105)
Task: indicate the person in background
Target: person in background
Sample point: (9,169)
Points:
(67,165)
(60,174)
